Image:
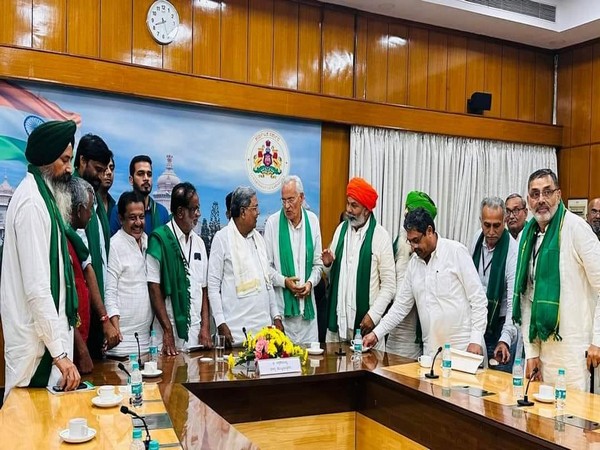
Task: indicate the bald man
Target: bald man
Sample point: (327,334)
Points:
(593,216)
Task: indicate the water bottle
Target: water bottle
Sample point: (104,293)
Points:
(153,445)
(136,386)
(517,375)
(358,342)
(560,390)
(446,361)
(137,443)
(153,349)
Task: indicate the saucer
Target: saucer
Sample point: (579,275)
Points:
(364,349)
(64,434)
(151,374)
(206,359)
(107,403)
(315,351)
(539,398)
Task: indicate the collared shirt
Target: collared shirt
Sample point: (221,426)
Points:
(127,292)
(450,299)
(163,217)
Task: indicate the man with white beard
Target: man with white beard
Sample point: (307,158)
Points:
(38,301)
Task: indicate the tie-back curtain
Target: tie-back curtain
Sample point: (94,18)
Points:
(457,173)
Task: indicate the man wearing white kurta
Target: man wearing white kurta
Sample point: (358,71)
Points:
(126,299)
(360,262)
(239,275)
(441,279)
(299,307)
(563,266)
(38,312)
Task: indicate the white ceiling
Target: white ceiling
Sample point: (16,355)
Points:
(576,20)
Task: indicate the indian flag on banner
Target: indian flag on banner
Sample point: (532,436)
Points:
(20,112)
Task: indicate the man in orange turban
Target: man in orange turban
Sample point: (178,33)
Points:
(360,266)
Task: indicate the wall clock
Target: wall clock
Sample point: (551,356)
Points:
(163,21)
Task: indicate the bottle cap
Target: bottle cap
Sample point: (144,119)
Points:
(152,333)
(518,361)
(137,433)
(561,371)
(133,357)
(153,445)
(135,366)
(446,345)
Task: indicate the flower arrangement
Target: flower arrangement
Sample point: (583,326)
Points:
(268,343)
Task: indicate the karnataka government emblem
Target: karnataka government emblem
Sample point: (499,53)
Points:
(267,161)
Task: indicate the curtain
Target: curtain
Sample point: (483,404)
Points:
(457,173)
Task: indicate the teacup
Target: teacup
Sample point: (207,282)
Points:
(315,345)
(78,428)
(150,367)
(546,391)
(425,361)
(106,392)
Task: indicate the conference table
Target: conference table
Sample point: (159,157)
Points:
(377,400)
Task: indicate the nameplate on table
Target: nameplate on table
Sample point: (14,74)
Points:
(278,366)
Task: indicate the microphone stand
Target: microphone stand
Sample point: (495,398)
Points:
(126,410)
(431,375)
(525,400)
(140,363)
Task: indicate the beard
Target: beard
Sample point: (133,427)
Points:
(356,221)
(595,226)
(547,216)
(61,191)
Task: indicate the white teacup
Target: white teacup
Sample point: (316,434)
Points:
(106,392)
(425,361)
(315,345)
(546,391)
(78,428)
(150,367)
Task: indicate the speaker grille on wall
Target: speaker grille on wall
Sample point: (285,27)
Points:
(479,102)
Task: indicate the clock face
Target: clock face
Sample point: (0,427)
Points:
(163,21)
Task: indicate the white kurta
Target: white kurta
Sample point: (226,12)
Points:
(194,252)
(126,293)
(450,300)
(253,311)
(579,310)
(29,318)
(383,278)
(83,236)
(297,329)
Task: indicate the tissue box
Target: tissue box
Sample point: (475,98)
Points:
(465,361)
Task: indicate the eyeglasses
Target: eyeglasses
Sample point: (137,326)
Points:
(255,208)
(415,241)
(289,201)
(194,211)
(594,212)
(546,193)
(513,212)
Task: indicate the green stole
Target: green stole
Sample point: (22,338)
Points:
(80,248)
(58,245)
(174,275)
(546,296)
(496,287)
(363,277)
(286,258)
(154,217)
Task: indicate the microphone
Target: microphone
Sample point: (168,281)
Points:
(431,375)
(525,400)
(126,410)
(122,367)
(140,363)
(245,334)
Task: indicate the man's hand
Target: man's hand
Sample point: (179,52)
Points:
(279,325)
(370,340)
(305,290)
(225,331)
(84,362)
(70,374)
(111,335)
(327,256)
(291,283)
(169,348)
(532,363)
(204,336)
(502,353)
(475,348)
(593,356)
(366,325)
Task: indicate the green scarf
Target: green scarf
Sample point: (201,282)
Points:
(546,296)
(155,217)
(82,251)
(174,275)
(58,245)
(496,287)
(286,257)
(363,277)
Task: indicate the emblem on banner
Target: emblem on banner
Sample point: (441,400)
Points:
(267,160)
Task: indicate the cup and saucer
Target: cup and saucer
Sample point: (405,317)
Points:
(150,370)
(315,349)
(545,394)
(77,432)
(106,397)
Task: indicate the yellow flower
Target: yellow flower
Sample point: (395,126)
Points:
(231,361)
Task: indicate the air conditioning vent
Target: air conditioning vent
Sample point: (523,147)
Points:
(525,7)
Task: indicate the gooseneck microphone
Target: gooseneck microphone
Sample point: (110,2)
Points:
(122,367)
(525,400)
(431,374)
(140,363)
(126,410)
(245,334)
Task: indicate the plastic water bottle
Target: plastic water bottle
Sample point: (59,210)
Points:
(358,342)
(153,445)
(517,375)
(153,349)
(137,443)
(446,361)
(136,386)
(560,390)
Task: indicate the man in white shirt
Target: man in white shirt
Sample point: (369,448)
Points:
(127,299)
(495,257)
(239,275)
(361,267)
(293,240)
(441,279)
(516,215)
(593,216)
(176,262)
(38,301)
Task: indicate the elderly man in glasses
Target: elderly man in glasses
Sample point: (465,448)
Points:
(556,287)
(593,216)
(516,215)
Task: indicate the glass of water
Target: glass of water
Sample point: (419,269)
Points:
(219,346)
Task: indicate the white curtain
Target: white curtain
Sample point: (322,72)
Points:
(457,173)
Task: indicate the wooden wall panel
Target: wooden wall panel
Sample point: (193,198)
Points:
(437,70)
(581,100)
(234,40)
(16,18)
(564,172)
(564,95)
(377,60)
(595,126)
(493,76)
(260,42)
(475,67)
(593,171)
(49,29)
(509,103)
(579,166)
(544,85)
(360,58)
(146,51)
(418,62)
(309,49)
(177,56)
(457,74)
(206,55)
(83,40)
(285,45)
(397,78)
(526,85)
(116,30)
(338,53)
